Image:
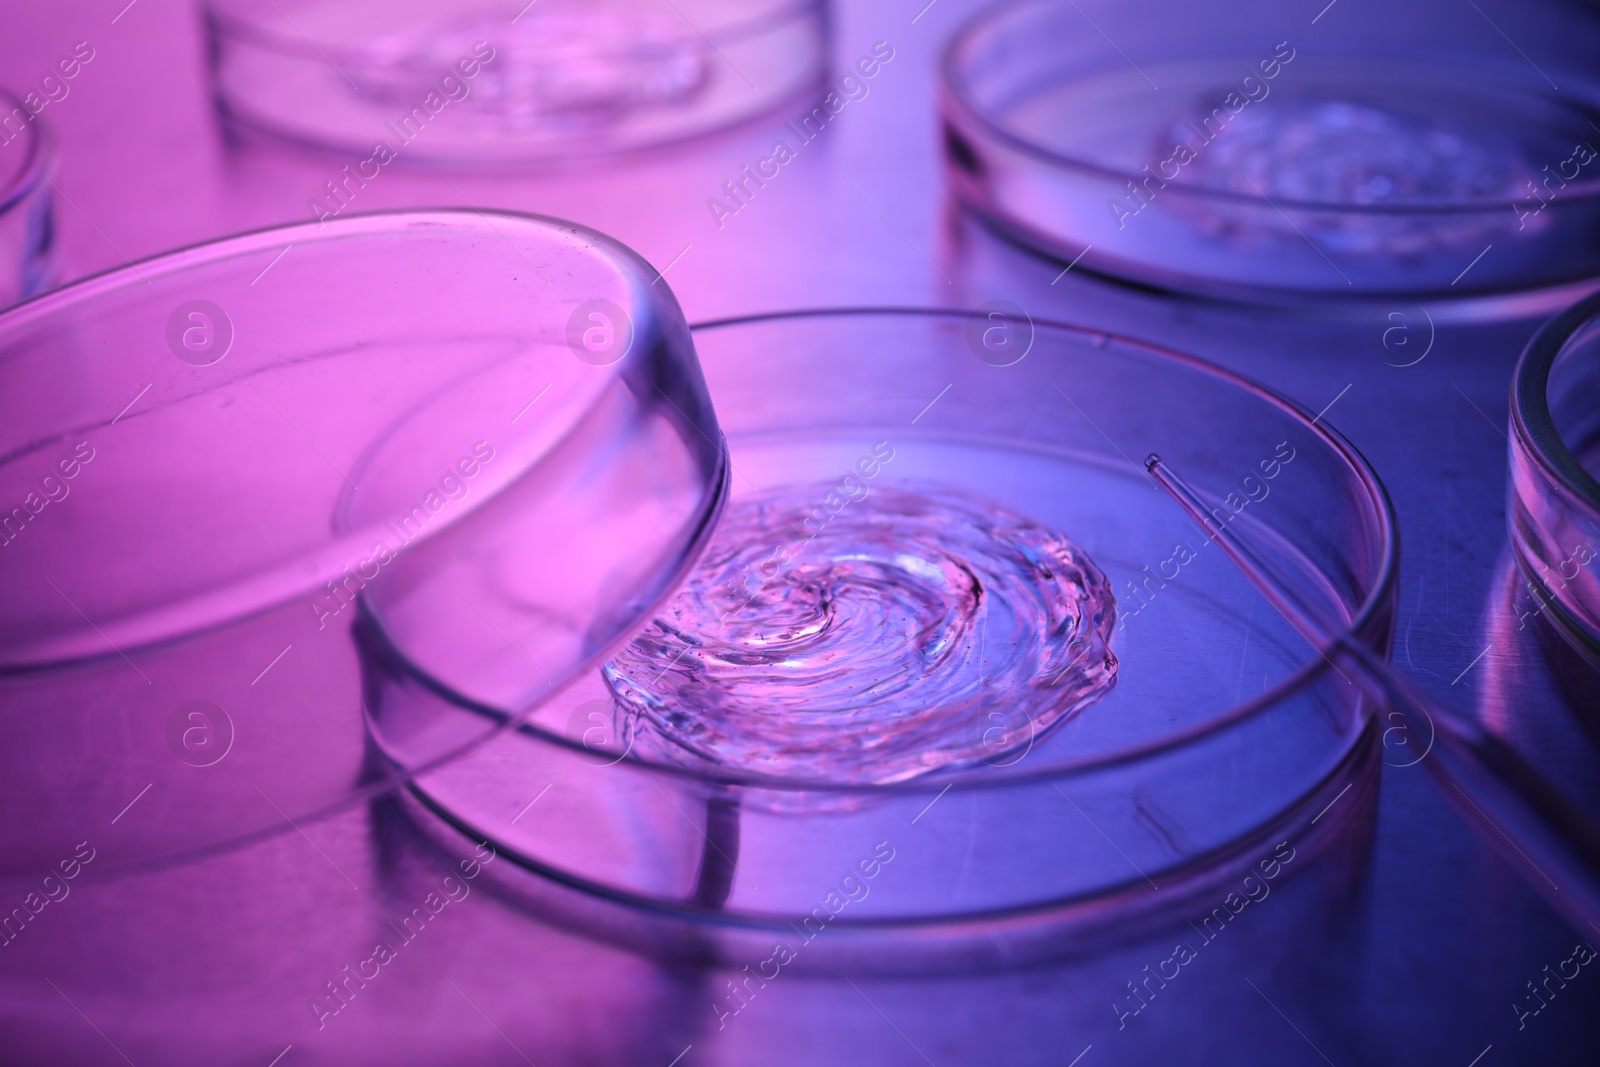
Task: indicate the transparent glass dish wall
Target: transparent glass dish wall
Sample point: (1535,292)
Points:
(503,84)
(1554,495)
(1222,724)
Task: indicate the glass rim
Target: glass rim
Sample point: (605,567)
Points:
(34,171)
(1533,428)
(1308,672)
(957,98)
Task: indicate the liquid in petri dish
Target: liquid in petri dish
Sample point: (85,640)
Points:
(572,63)
(1326,151)
(1334,152)
(909,630)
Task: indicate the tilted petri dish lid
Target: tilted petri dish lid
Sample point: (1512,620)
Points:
(1554,497)
(210,455)
(506,83)
(1213,157)
(27,159)
(1223,735)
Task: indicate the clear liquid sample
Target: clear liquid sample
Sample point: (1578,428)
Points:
(1330,151)
(581,63)
(868,637)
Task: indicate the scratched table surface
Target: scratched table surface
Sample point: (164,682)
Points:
(1425,957)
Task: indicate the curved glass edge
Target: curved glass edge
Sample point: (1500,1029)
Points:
(1081,924)
(1464,304)
(1553,505)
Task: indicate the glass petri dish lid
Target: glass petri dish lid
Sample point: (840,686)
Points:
(1221,731)
(507,83)
(27,158)
(1231,165)
(1553,496)
(223,447)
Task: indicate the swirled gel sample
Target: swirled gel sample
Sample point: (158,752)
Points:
(1342,154)
(868,636)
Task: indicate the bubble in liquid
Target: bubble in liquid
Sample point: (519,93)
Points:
(869,642)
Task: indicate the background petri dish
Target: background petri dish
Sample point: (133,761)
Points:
(1554,498)
(27,156)
(225,446)
(1213,158)
(1222,727)
(487,84)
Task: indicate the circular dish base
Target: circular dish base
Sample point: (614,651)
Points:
(1332,822)
(1445,308)
(1221,722)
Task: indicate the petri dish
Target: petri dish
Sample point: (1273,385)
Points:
(27,234)
(1553,496)
(1222,729)
(1214,161)
(510,83)
(226,446)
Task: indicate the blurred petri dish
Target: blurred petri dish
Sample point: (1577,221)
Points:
(1230,165)
(510,83)
(27,228)
(224,447)
(1554,498)
(1223,730)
